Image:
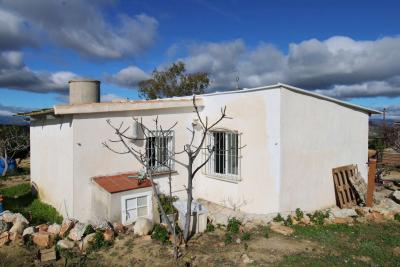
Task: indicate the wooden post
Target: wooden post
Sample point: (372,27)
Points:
(371,182)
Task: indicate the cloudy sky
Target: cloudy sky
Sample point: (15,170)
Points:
(344,49)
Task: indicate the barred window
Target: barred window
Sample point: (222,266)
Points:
(159,148)
(225,161)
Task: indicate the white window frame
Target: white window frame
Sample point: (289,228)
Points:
(170,147)
(148,194)
(209,167)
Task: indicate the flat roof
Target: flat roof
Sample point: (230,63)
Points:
(180,102)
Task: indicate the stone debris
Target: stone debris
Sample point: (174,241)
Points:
(18,217)
(18,227)
(47,255)
(281,229)
(66,226)
(77,232)
(43,239)
(108,235)
(119,228)
(143,226)
(7,216)
(246,259)
(28,231)
(54,229)
(396,196)
(4,238)
(85,243)
(42,227)
(65,244)
(342,213)
(4,226)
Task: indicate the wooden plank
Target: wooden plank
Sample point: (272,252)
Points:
(371,182)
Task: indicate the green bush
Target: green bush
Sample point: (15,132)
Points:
(98,242)
(89,230)
(288,221)
(299,214)
(16,191)
(38,212)
(228,238)
(210,228)
(233,225)
(278,218)
(167,204)
(246,236)
(319,216)
(160,233)
(266,231)
(397,217)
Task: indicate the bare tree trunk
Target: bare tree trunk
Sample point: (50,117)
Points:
(189,200)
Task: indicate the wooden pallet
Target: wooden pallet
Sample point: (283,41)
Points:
(345,194)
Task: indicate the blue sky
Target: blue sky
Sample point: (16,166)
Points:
(345,49)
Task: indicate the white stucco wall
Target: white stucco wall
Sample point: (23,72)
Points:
(52,162)
(316,136)
(255,115)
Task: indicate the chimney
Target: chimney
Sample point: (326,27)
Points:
(84,91)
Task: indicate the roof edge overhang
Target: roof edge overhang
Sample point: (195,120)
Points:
(300,91)
(126,106)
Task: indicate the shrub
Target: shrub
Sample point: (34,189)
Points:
(16,191)
(166,203)
(89,230)
(233,225)
(210,228)
(160,233)
(228,238)
(278,218)
(319,216)
(39,212)
(98,242)
(397,217)
(288,221)
(266,231)
(299,214)
(246,236)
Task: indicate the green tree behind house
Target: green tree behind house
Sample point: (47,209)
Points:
(174,81)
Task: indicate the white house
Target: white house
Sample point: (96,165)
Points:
(293,138)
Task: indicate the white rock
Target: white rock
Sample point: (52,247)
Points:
(76,233)
(84,245)
(65,244)
(18,217)
(396,196)
(342,213)
(18,227)
(7,216)
(143,226)
(246,259)
(54,229)
(28,231)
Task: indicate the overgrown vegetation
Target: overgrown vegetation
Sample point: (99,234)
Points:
(210,227)
(161,234)
(265,231)
(318,217)
(98,242)
(278,218)
(397,217)
(299,214)
(233,225)
(288,221)
(19,198)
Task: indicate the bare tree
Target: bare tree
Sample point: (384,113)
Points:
(393,137)
(13,140)
(192,150)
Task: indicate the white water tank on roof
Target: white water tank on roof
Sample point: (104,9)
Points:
(84,91)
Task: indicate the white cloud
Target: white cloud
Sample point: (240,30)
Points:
(81,26)
(339,66)
(111,97)
(128,77)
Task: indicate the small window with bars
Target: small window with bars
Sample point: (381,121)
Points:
(159,148)
(225,160)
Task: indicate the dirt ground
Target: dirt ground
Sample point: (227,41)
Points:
(204,250)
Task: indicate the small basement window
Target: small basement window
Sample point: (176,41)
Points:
(135,206)
(225,161)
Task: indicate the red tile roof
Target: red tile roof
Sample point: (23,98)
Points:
(120,182)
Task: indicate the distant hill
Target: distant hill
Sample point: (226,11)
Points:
(11,120)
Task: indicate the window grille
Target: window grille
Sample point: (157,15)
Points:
(159,150)
(225,161)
